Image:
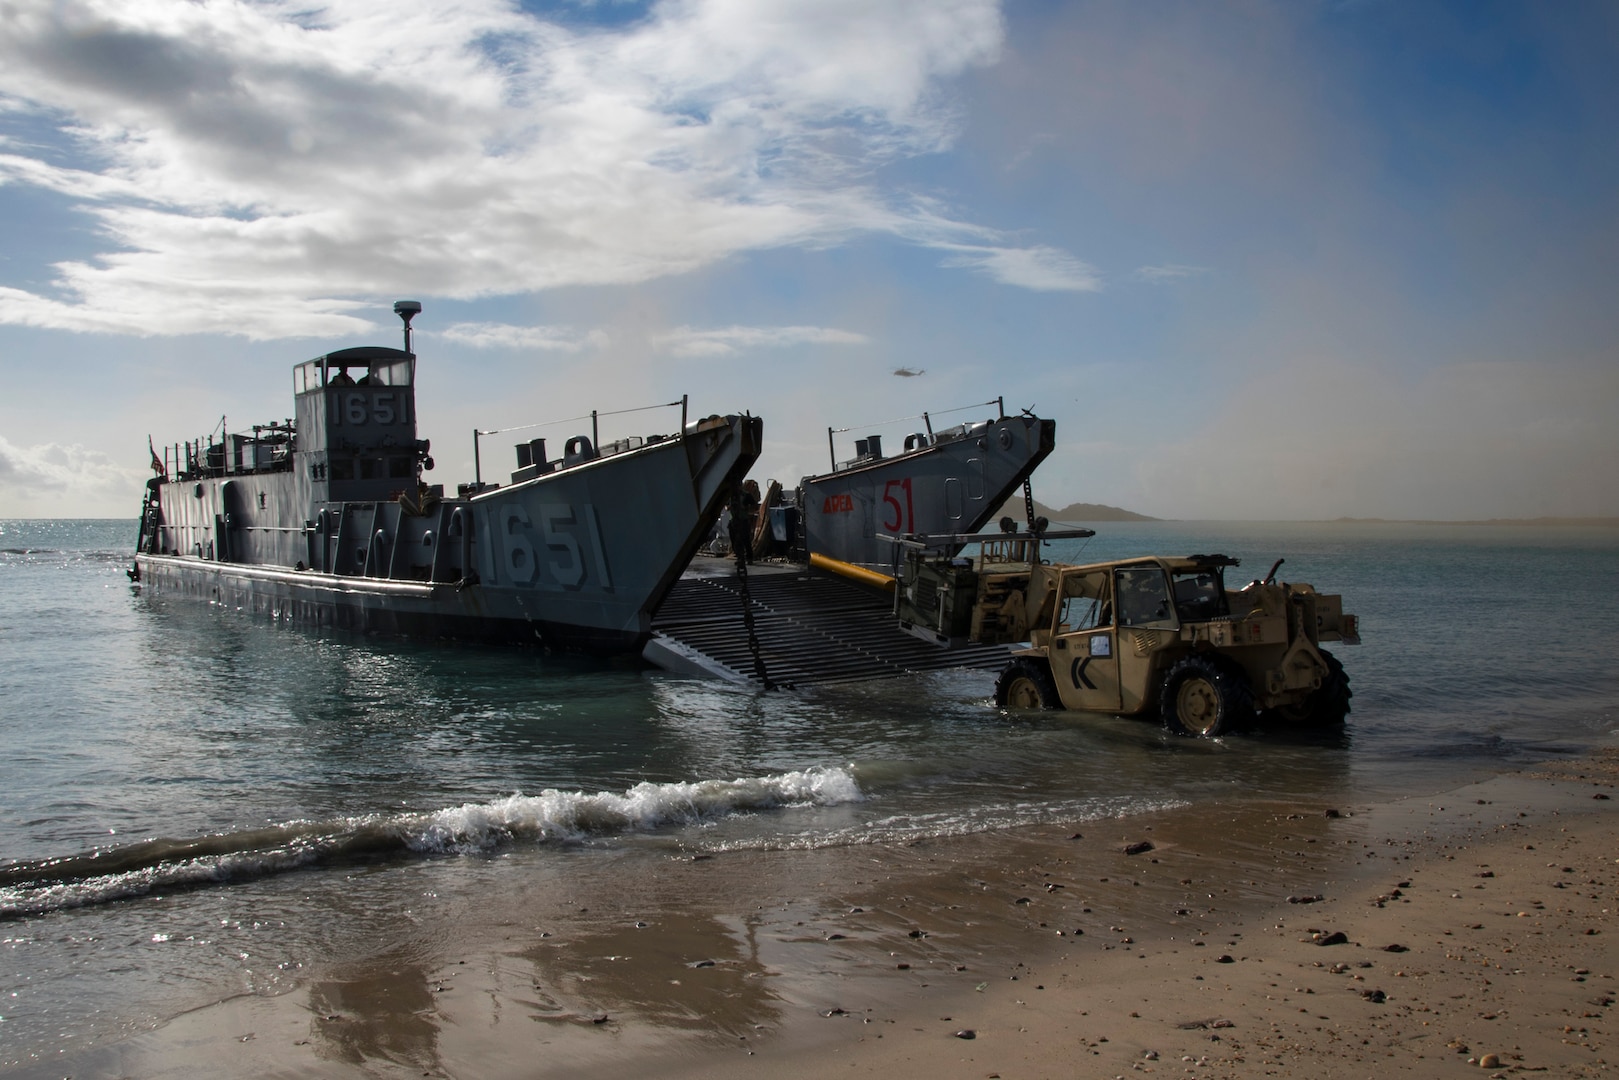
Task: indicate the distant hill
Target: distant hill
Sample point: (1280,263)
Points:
(1072,512)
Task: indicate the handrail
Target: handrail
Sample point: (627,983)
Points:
(1000,401)
(592,416)
(582,416)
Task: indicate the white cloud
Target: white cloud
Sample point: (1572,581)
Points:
(41,475)
(1040,268)
(993,252)
(266,168)
(690,341)
(546,338)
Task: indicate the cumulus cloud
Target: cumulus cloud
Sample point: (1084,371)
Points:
(266,168)
(40,474)
(690,341)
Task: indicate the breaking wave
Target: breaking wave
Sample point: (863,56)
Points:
(551,817)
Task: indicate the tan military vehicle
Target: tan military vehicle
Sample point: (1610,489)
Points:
(1135,635)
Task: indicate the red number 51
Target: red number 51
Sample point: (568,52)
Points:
(902,514)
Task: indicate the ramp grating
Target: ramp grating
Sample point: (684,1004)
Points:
(812,628)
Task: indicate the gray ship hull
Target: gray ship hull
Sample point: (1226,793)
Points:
(951,484)
(577,559)
(396,608)
(325,520)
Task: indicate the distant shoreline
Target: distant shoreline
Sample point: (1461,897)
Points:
(1013,508)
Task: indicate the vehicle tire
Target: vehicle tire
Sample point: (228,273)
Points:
(1204,697)
(1328,704)
(1026,684)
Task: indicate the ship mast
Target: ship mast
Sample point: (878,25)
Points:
(407,310)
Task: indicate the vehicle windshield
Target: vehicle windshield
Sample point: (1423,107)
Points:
(1085,603)
(1199,595)
(1143,597)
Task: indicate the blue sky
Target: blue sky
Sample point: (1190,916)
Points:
(1258,260)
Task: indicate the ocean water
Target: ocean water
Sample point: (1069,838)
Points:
(196,804)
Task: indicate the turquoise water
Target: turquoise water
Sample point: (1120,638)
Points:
(195,803)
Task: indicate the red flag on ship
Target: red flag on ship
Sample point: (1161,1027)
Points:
(157,462)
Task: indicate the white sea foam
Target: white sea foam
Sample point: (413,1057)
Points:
(552,816)
(576,815)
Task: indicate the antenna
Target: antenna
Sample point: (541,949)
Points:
(407,310)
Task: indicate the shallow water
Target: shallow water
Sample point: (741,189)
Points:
(196,803)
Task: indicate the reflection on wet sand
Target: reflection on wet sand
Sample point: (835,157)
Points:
(685,972)
(596,991)
(383,1011)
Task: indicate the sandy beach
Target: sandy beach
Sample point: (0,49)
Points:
(1469,933)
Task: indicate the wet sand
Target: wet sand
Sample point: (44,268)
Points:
(1466,934)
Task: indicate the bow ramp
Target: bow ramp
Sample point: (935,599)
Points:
(811,628)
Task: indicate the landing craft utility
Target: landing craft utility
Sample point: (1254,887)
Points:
(950,480)
(842,522)
(324,519)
